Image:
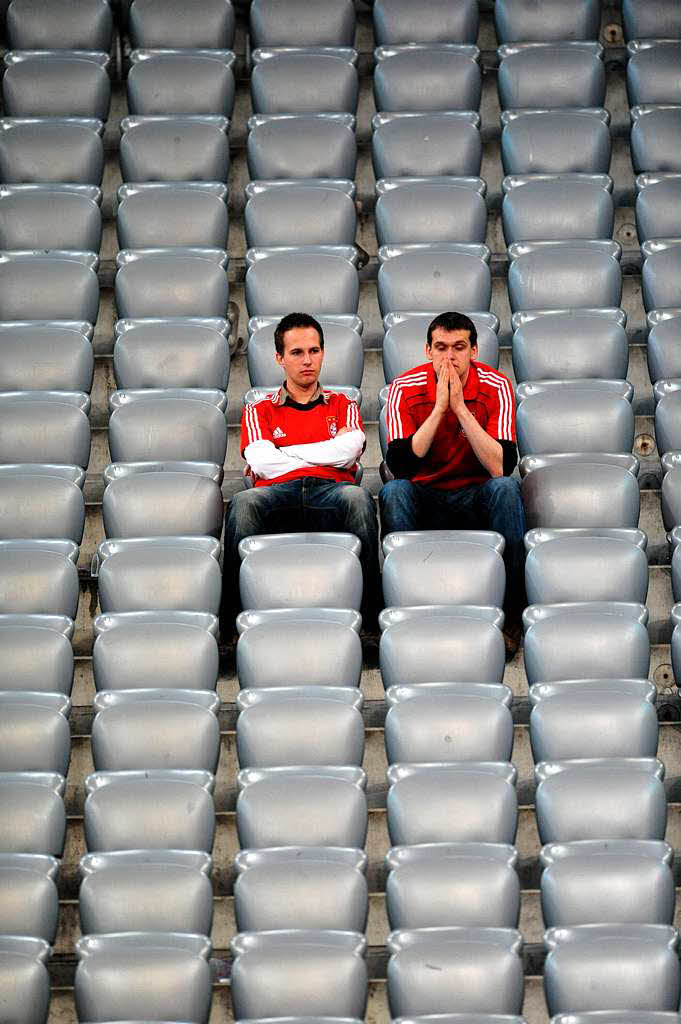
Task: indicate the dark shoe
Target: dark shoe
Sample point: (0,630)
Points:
(513,634)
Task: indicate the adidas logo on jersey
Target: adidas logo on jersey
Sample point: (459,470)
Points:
(278,432)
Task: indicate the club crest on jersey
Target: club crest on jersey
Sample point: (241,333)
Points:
(278,432)
(333,427)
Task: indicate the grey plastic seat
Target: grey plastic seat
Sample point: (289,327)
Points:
(657,18)
(149,810)
(671,511)
(655,134)
(555,142)
(440,970)
(331,23)
(444,884)
(51,358)
(168,424)
(189,283)
(40,577)
(606,798)
(668,397)
(300,887)
(420,277)
(343,355)
(301,146)
(45,427)
(173,149)
(276,649)
(465,801)
(676,641)
(405,339)
(171,353)
(624,1016)
(49,218)
(455,567)
(301,806)
(659,277)
(181,83)
(557,74)
(56,86)
(674,538)
(298,971)
(519,20)
(657,206)
(159,24)
(573,273)
(585,565)
(37,653)
(51,150)
(24,978)
(299,725)
(155,975)
(128,647)
(300,213)
(626,881)
(147,890)
(421,78)
(34,732)
(636,965)
(32,814)
(29,901)
(305,82)
(49,286)
(159,574)
(455,722)
(586,640)
(651,76)
(444,210)
(557,207)
(433,144)
(308,278)
(44,24)
(582,415)
(435,21)
(185,214)
(591,490)
(167,498)
(41,501)
(570,344)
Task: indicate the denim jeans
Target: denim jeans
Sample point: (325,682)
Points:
(307,503)
(495,504)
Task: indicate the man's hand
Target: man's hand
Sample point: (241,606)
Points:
(343,430)
(442,390)
(456,402)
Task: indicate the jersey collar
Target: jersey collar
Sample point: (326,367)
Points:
(279,397)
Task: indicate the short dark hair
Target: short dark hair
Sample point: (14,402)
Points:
(291,320)
(453,322)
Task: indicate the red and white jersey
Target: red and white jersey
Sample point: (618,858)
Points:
(287,423)
(451,462)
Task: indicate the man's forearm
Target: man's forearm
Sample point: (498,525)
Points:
(268,462)
(487,449)
(341,451)
(422,439)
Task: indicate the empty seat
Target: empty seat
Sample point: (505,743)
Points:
(165,23)
(419,278)
(434,21)
(29,901)
(444,210)
(607,798)
(303,82)
(570,344)
(34,732)
(343,355)
(674,538)
(49,286)
(169,424)
(149,810)
(438,143)
(32,814)
(298,972)
(167,498)
(184,283)
(444,884)
(49,218)
(299,570)
(655,135)
(561,74)
(173,149)
(131,649)
(651,18)
(555,142)
(181,83)
(299,725)
(651,73)
(173,353)
(50,358)
(635,964)
(46,24)
(331,23)
(560,274)
(24,978)
(628,881)
(146,891)
(584,415)
(300,213)
(37,653)
(276,650)
(444,567)
(443,77)
(155,975)
(519,20)
(585,565)
(308,278)
(45,427)
(440,970)
(589,490)
(586,640)
(557,207)
(41,501)
(300,887)
(676,641)
(48,150)
(657,206)
(660,274)
(303,806)
(300,146)
(466,801)
(668,396)
(56,86)
(405,339)
(671,491)
(183,214)
(39,577)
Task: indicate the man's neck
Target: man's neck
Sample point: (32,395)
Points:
(302,395)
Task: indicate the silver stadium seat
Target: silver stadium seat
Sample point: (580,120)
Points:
(587,415)
(168,424)
(419,277)
(651,18)
(330,23)
(53,84)
(128,646)
(172,213)
(667,394)
(572,273)
(32,813)
(43,24)
(434,21)
(59,285)
(657,206)
(343,353)
(660,274)
(655,134)
(556,74)
(445,76)
(301,887)
(320,279)
(555,141)
(671,491)
(39,577)
(438,210)
(304,81)
(623,1016)
(34,732)
(430,144)
(586,565)
(52,217)
(41,501)
(519,20)
(675,538)
(24,978)
(37,653)
(300,212)
(550,348)
(651,72)
(171,353)
(37,357)
(183,282)
(285,146)
(165,23)
(46,150)
(405,339)
(149,499)
(173,149)
(557,207)
(592,490)
(29,900)
(676,641)
(198,82)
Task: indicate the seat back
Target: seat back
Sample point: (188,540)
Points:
(555,142)
(37,653)
(439,143)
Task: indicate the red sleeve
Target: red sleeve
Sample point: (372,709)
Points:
(399,421)
(501,422)
(254,425)
(353,417)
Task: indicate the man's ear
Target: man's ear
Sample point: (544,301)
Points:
(474,351)
(280,359)
(429,351)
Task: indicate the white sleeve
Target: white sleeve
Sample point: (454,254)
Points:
(268,461)
(342,451)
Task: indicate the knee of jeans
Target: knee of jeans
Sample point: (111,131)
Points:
(357,500)
(505,487)
(394,489)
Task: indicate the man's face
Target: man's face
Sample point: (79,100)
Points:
(303,356)
(453,347)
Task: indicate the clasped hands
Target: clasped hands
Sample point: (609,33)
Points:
(449,392)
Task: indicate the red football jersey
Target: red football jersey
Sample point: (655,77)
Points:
(271,420)
(451,462)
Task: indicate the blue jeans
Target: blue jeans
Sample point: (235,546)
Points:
(495,504)
(307,503)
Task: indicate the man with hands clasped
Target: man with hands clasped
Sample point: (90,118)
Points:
(452,449)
